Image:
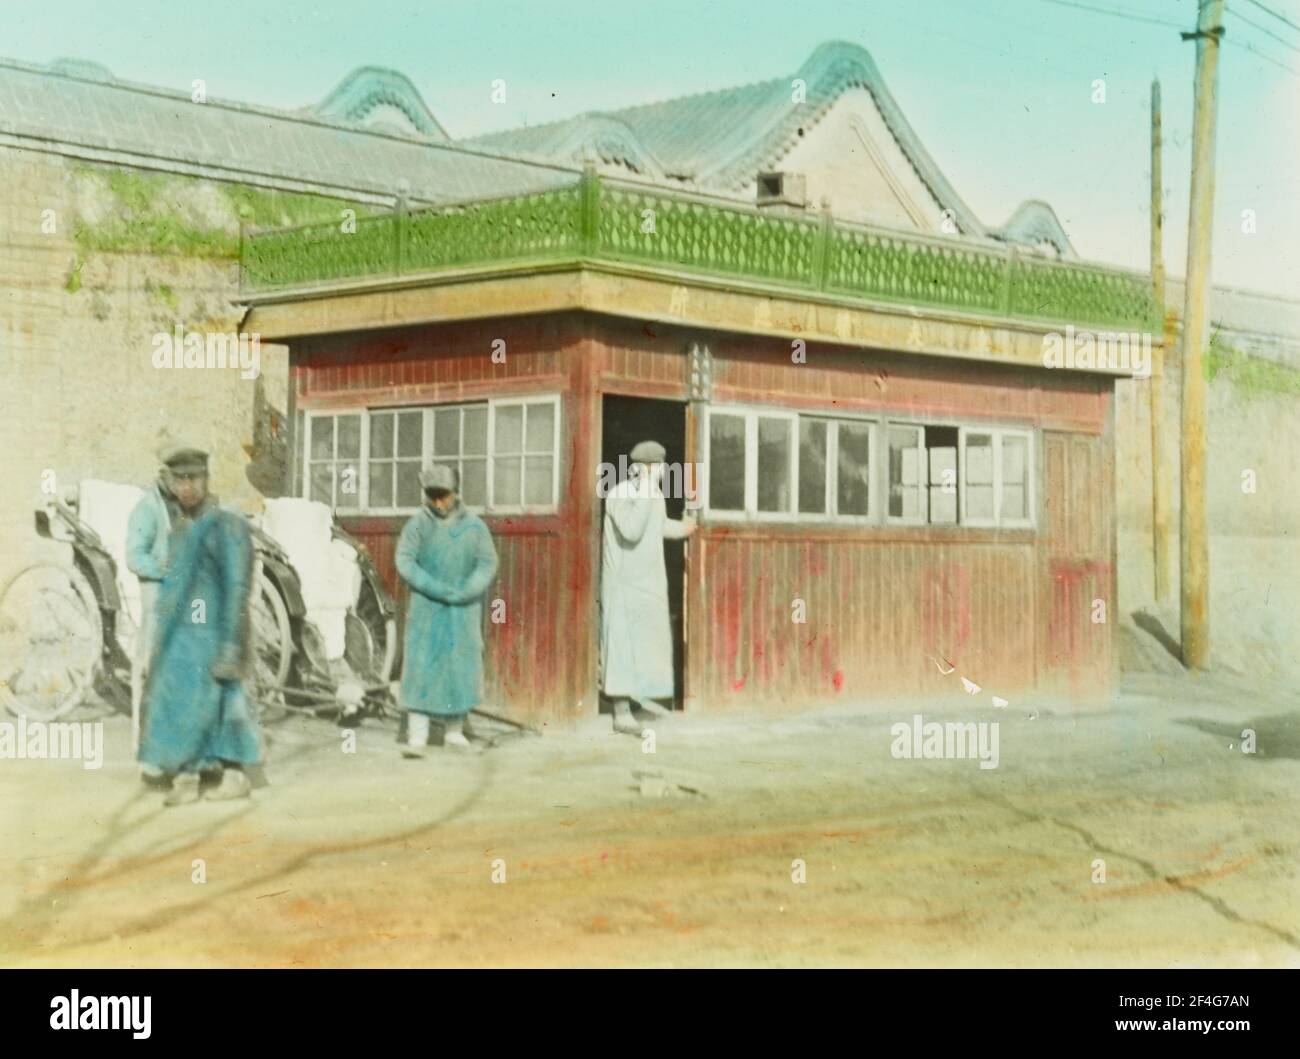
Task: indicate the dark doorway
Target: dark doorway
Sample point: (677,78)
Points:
(624,422)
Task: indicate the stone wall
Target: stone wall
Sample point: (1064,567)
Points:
(1253,425)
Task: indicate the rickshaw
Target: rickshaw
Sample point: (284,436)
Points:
(68,630)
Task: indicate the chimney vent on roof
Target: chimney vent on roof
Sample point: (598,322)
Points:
(781,189)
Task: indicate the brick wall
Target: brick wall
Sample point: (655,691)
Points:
(82,397)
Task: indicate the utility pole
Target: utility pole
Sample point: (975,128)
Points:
(1194,551)
(1159,472)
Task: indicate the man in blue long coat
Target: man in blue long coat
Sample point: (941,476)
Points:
(446,557)
(198,718)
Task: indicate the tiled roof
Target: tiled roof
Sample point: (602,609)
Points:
(721,139)
(369,87)
(1034,222)
(79,109)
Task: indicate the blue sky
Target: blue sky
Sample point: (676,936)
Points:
(999,90)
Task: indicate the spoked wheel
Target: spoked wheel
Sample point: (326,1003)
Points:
(51,640)
(272,645)
(371,638)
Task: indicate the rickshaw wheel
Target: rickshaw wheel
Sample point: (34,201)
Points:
(51,640)
(272,644)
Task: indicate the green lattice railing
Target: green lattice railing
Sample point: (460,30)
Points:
(595,220)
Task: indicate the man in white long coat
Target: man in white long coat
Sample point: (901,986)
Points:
(636,644)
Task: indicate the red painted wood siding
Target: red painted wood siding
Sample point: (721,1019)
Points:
(878,611)
(1002,606)
(538,661)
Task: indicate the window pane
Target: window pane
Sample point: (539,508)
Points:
(773,464)
(505,481)
(349,437)
(1015,477)
(322,477)
(812,465)
(410,434)
(979,477)
(905,472)
(941,467)
(538,475)
(381,481)
(473,483)
(322,437)
(475,436)
(979,502)
(381,434)
(1014,463)
(943,483)
(409,493)
(541,428)
(347,491)
(979,459)
(853,468)
(726,463)
(446,432)
(509,429)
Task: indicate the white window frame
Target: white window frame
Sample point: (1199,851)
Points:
(749,415)
(364,508)
(833,513)
(878,485)
(998,433)
(706,508)
(995,455)
(426,425)
(522,508)
(923,486)
(751,466)
(1031,489)
(427,456)
(307,463)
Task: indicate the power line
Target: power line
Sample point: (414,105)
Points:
(1115,13)
(1265,30)
(1269,11)
(1267,58)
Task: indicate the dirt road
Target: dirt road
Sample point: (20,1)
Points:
(363,859)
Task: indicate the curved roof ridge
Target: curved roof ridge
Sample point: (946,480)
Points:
(586,131)
(76,70)
(1032,222)
(366,87)
(832,68)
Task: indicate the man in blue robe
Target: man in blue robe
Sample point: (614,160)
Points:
(446,557)
(198,718)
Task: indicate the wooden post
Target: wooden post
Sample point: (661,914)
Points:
(399,226)
(1195,554)
(1159,472)
(589,197)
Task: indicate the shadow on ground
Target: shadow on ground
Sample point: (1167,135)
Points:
(1277,736)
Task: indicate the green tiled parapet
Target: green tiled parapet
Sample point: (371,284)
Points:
(596,220)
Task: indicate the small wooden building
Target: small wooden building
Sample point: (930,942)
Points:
(895,491)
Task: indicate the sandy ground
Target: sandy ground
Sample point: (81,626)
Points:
(368,860)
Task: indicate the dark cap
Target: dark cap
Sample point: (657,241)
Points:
(185,459)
